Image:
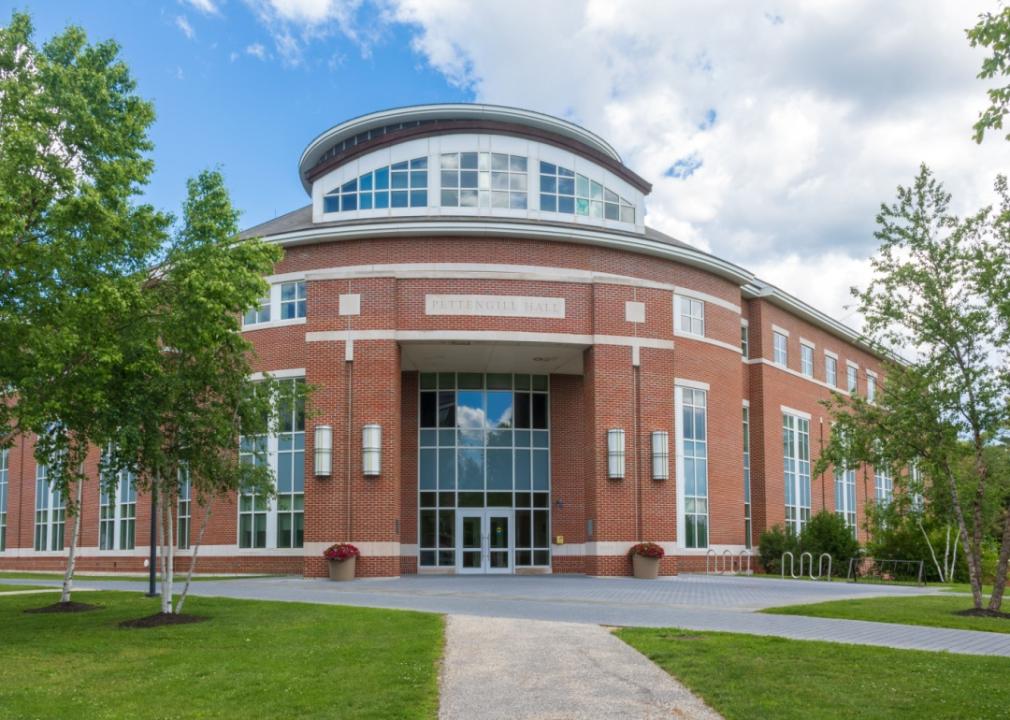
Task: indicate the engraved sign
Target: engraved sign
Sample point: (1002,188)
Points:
(495,306)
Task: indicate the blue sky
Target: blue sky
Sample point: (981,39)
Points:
(218,104)
(771,130)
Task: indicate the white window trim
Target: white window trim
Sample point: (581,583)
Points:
(810,348)
(831,354)
(678,309)
(678,404)
(775,359)
(275,310)
(793,411)
(809,343)
(117,515)
(780,330)
(797,490)
(693,384)
(279,374)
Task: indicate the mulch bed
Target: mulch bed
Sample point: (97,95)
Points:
(160,619)
(984,612)
(65,607)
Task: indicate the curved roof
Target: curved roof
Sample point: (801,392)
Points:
(415,114)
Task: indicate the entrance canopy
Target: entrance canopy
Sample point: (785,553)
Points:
(482,356)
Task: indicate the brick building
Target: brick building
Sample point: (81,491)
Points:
(512,373)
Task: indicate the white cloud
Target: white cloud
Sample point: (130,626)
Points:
(295,23)
(207,7)
(788,125)
(257,51)
(183,24)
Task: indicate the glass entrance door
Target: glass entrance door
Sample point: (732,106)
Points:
(485,542)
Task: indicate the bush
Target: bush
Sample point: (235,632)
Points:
(827,533)
(772,544)
(648,549)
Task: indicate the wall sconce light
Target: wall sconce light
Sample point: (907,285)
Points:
(615,454)
(371,449)
(324,450)
(660,455)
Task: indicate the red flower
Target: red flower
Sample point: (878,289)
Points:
(341,552)
(648,549)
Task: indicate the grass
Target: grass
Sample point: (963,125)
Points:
(929,610)
(251,659)
(14,588)
(747,677)
(15,575)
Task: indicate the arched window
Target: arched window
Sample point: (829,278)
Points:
(567,192)
(400,185)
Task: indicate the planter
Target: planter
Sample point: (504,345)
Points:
(646,568)
(342,569)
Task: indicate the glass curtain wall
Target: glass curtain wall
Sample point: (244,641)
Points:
(484,441)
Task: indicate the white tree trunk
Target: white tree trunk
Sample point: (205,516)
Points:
(164,554)
(192,561)
(929,544)
(68,576)
(953,559)
(168,570)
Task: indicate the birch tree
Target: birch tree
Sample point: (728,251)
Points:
(74,245)
(944,405)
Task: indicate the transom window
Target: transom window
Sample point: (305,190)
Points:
(796,470)
(50,512)
(117,513)
(692,436)
(484,442)
(400,185)
(277,522)
(806,360)
(293,302)
(486,180)
(691,315)
(780,348)
(567,192)
(4,459)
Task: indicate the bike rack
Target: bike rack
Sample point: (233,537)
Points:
(710,555)
(792,565)
(820,567)
(727,554)
(810,565)
(740,556)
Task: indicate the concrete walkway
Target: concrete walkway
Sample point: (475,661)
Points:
(498,668)
(694,602)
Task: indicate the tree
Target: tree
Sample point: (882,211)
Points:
(944,404)
(74,245)
(993,32)
(191,396)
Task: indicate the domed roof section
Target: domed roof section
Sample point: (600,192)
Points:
(368,130)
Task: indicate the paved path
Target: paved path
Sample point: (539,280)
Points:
(694,602)
(524,670)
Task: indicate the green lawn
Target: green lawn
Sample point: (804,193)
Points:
(931,610)
(13,588)
(15,575)
(747,677)
(251,659)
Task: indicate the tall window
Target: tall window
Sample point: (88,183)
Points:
(693,441)
(567,192)
(185,510)
(871,388)
(487,180)
(400,185)
(690,316)
(845,496)
(293,303)
(277,522)
(746,477)
(3,498)
(780,348)
(796,466)
(50,512)
(117,512)
(831,371)
(806,360)
(745,341)
(484,442)
(852,378)
(884,484)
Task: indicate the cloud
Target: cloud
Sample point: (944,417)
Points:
(770,136)
(294,24)
(207,7)
(183,24)
(257,51)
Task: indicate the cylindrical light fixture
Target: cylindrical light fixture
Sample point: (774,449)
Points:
(660,455)
(615,454)
(371,449)
(324,450)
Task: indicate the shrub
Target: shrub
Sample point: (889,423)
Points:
(772,544)
(648,549)
(826,532)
